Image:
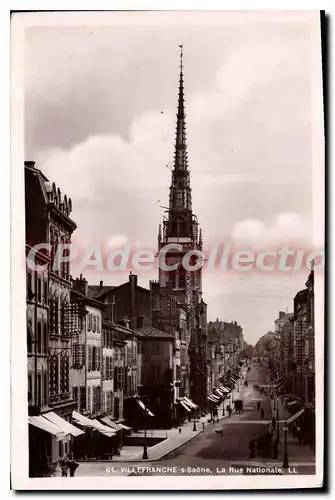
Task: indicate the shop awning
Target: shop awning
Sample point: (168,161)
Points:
(144,408)
(63,424)
(224,389)
(104,429)
(190,403)
(110,423)
(294,417)
(125,427)
(213,398)
(184,405)
(45,425)
(219,392)
(93,424)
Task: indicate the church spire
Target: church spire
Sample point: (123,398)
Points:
(180,153)
(180,222)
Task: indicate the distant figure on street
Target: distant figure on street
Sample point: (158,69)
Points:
(64,466)
(179,430)
(274,423)
(275,448)
(72,465)
(262,413)
(229,410)
(252,448)
(258,405)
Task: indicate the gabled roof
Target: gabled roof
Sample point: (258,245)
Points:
(153,333)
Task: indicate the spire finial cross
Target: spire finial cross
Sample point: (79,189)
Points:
(181,56)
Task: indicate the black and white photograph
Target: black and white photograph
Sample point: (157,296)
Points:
(168,245)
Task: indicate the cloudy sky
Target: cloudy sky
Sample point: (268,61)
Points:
(100,106)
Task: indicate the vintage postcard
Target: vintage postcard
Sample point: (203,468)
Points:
(167,250)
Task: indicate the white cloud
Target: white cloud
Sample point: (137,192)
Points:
(286,228)
(117,241)
(97,129)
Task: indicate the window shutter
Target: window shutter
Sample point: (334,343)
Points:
(94,401)
(103,363)
(83,398)
(89,321)
(89,364)
(89,405)
(98,358)
(98,324)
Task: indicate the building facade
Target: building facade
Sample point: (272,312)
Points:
(48,224)
(159,372)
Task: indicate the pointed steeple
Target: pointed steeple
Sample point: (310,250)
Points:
(180,203)
(180,154)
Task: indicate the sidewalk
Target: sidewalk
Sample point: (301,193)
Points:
(296,452)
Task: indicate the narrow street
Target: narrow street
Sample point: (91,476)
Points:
(212,450)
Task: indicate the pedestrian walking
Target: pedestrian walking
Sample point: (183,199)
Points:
(229,410)
(252,448)
(72,465)
(262,413)
(64,466)
(275,448)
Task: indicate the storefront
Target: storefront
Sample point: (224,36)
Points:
(98,440)
(50,438)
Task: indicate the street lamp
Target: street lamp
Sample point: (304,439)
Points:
(194,425)
(145,449)
(285,460)
(277,419)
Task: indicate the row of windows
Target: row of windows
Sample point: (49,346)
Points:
(59,317)
(63,268)
(93,323)
(94,400)
(38,285)
(59,380)
(90,399)
(39,398)
(41,337)
(94,358)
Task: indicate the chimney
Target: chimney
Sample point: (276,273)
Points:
(126,322)
(80,285)
(30,164)
(140,321)
(133,285)
(101,284)
(281,314)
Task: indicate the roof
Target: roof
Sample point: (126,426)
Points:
(153,333)
(106,323)
(88,299)
(95,291)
